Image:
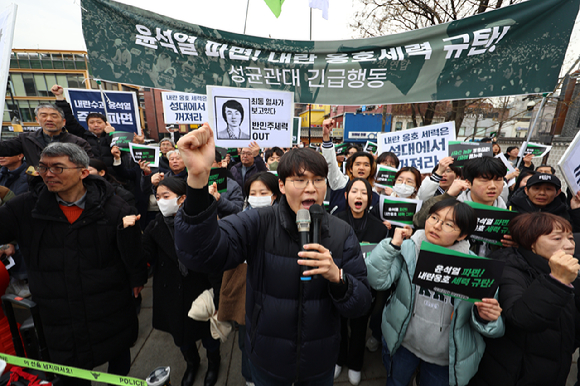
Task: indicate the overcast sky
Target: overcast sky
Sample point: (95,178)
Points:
(56,24)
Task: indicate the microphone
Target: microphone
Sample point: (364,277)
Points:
(303,224)
(316,212)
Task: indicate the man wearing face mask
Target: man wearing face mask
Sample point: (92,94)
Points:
(231,201)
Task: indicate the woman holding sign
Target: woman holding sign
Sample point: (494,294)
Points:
(539,291)
(422,328)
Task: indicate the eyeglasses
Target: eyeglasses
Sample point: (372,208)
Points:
(53,169)
(245,154)
(301,183)
(447,226)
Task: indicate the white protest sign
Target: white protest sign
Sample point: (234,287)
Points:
(509,166)
(7,23)
(184,108)
(421,147)
(536,149)
(570,165)
(241,115)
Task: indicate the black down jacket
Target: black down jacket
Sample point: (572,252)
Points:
(81,275)
(540,315)
(292,329)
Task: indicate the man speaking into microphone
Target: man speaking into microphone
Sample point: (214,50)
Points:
(292,325)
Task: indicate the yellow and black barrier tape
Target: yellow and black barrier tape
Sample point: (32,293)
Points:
(73,372)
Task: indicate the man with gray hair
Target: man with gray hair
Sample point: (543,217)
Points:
(51,120)
(84,265)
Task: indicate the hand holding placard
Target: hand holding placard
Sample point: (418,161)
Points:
(197,150)
(444,164)
(116,152)
(488,309)
(401,234)
(457,187)
(564,267)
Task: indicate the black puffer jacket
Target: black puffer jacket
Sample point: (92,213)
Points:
(173,293)
(540,315)
(81,274)
(101,146)
(293,329)
(522,204)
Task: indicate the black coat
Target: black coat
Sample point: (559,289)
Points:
(522,204)
(100,146)
(32,144)
(374,232)
(280,339)
(540,315)
(81,275)
(173,293)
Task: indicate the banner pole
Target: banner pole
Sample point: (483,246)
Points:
(530,132)
(246,20)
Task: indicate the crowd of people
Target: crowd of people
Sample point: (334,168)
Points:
(87,226)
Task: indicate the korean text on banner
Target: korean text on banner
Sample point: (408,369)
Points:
(399,211)
(385,176)
(122,108)
(421,147)
(536,149)
(239,116)
(492,223)
(184,108)
(457,274)
(570,165)
(146,153)
(456,60)
(465,151)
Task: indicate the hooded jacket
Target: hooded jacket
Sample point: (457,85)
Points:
(292,328)
(81,275)
(540,316)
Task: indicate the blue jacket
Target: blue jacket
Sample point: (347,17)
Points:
(388,265)
(281,340)
(16,180)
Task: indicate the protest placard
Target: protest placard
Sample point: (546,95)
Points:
(296,131)
(184,108)
(465,151)
(219,176)
(146,153)
(385,176)
(536,149)
(492,222)
(120,107)
(421,147)
(239,116)
(457,274)
(569,164)
(367,248)
(122,139)
(371,147)
(398,210)
(341,149)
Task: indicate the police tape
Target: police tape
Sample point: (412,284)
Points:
(71,371)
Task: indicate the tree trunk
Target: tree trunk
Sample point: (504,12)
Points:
(414,114)
(457,114)
(430,113)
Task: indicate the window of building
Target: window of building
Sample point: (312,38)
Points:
(69,62)
(46,61)
(23,60)
(410,125)
(34,61)
(461,132)
(13,60)
(57,61)
(398,126)
(18,84)
(29,86)
(80,62)
(41,87)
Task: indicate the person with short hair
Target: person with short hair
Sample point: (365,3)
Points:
(538,292)
(233,115)
(13,173)
(293,326)
(83,266)
(547,169)
(440,335)
(272,157)
(250,164)
(440,180)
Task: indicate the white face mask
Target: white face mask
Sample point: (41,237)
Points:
(169,206)
(260,202)
(403,190)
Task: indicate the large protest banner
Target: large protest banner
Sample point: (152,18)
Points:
(457,274)
(239,116)
(421,147)
(518,49)
(120,107)
(184,108)
(569,165)
(7,23)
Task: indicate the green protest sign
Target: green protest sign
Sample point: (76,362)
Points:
(457,274)
(219,176)
(492,223)
(508,51)
(371,147)
(465,151)
(296,131)
(385,176)
(145,153)
(399,211)
(341,149)
(536,149)
(122,139)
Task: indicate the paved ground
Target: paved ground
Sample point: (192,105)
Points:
(155,348)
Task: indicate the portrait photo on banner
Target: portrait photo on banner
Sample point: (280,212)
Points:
(233,118)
